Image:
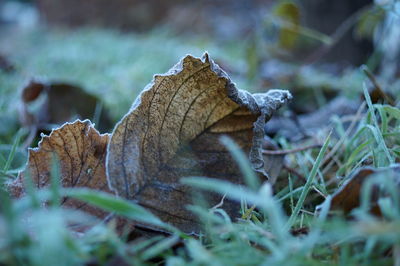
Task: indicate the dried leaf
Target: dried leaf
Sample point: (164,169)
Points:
(348,196)
(32,91)
(81,151)
(173,130)
(56,103)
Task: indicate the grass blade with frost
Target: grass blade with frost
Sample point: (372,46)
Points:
(118,206)
(308,184)
(378,134)
(12,152)
(159,247)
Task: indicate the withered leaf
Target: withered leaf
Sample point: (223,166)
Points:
(173,130)
(81,151)
(32,90)
(348,196)
(58,103)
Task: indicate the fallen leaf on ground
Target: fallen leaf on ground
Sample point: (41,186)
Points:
(32,91)
(348,196)
(58,103)
(81,152)
(173,130)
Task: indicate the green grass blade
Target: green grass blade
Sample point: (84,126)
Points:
(12,152)
(31,190)
(380,140)
(118,206)
(263,199)
(159,247)
(308,184)
(231,191)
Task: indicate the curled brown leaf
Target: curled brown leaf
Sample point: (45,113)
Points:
(173,130)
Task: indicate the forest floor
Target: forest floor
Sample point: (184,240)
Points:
(331,154)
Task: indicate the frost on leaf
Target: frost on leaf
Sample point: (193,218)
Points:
(173,130)
(80,151)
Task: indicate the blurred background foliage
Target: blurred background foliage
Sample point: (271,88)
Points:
(111,50)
